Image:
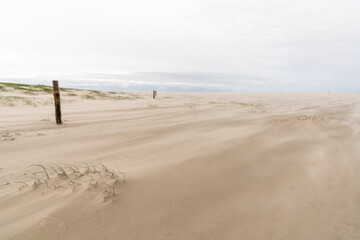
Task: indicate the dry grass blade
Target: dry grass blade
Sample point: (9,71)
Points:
(62,170)
(43,167)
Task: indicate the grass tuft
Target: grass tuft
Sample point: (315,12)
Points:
(54,176)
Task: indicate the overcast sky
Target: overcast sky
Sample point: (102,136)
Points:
(183,45)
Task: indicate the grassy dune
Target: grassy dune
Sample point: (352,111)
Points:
(13,94)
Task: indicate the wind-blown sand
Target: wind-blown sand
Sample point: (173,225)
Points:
(197,166)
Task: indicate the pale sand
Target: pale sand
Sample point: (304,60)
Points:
(198,166)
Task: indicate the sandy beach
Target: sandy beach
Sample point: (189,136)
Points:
(181,166)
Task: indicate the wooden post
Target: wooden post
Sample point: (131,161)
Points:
(57,102)
(154,94)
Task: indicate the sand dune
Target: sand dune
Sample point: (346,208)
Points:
(197,166)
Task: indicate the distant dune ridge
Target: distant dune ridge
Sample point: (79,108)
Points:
(181,166)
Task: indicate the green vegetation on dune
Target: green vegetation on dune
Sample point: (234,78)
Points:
(88,97)
(29,89)
(67,89)
(98,93)
(42,88)
(14,86)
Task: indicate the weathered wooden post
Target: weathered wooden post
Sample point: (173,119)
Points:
(57,102)
(154,94)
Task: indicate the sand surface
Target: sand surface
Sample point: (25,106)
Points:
(196,166)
